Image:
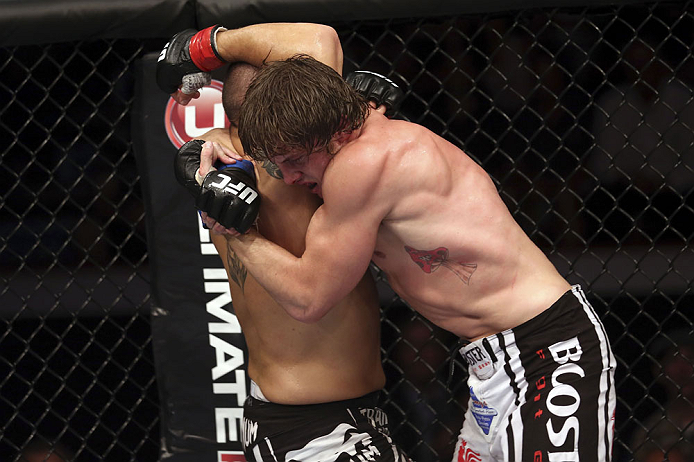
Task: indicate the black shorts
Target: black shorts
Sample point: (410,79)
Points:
(351,430)
(542,391)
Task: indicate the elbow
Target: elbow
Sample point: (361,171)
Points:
(329,48)
(326,35)
(310,297)
(309,313)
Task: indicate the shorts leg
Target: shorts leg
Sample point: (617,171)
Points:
(551,395)
(569,403)
(471,445)
(352,430)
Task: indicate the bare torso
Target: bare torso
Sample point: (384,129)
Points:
(448,244)
(337,357)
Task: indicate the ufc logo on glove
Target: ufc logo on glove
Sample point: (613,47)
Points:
(240,189)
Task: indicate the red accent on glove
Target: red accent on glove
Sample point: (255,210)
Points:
(202,50)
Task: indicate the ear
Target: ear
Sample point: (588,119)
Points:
(337,141)
(341,137)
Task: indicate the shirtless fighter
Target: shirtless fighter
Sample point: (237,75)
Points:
(541,368)
(315,387)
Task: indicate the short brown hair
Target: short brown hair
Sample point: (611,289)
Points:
(298,104)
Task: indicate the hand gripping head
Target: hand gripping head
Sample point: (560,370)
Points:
(230,196)
(377,88)
(188,52)
(186,165)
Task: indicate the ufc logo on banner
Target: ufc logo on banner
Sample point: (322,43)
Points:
(184,123)
(230,456)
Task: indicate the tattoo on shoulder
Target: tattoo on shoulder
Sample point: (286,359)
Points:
(272,169)
(237,272)
(431,260)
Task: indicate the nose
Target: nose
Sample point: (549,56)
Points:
(290,176)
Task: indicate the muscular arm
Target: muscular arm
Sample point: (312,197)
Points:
(258,43)
(338,250)
(339,245)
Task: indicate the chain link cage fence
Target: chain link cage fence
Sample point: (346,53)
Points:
(583,117)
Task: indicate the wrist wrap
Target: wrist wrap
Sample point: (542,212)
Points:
(203,49)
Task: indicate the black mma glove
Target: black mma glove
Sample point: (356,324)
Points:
(230,196)
(377,88)
(187,164)
(187,59)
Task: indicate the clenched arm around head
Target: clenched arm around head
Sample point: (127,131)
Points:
(340,241)
(185,63)
(260,43)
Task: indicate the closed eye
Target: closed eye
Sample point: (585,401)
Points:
(294,161)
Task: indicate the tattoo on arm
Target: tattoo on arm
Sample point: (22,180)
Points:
(272,169)
(431,260)
(237,272)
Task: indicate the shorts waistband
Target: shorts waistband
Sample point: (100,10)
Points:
(482,354)
(570,295)
(257,393)
(481,357)
(255,406)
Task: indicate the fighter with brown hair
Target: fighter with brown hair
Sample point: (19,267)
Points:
(541,368)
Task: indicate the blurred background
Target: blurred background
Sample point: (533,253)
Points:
(583,114)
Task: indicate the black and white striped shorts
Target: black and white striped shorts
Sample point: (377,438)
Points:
(543,391)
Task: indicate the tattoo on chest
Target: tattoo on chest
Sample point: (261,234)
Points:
(431,260)
(237,272)
(272,170)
